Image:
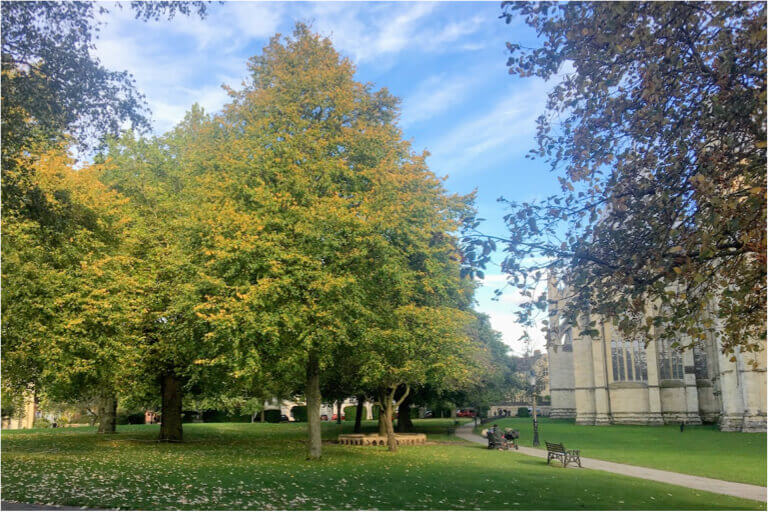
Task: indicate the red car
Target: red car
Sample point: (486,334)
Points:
(466,413)
(343,417)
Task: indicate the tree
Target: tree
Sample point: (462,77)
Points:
(68,289)
(312,192)
(660,153)
(55,94)
(177,349)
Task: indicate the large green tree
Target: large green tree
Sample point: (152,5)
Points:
(656,129)
(69,290)
(309,202)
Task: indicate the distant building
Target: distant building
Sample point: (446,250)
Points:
(609,379)
(23,417)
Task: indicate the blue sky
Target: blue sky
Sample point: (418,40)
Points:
(445,60)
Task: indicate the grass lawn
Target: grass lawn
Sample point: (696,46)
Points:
(700,450)
(255,466)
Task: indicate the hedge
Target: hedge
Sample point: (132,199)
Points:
(272,416)
(350,412)
(299,413)
(216,416)
(522,412)
(136,418)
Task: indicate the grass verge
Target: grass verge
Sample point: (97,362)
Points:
(254,466)
(698,450)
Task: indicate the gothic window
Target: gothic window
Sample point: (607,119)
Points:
(567,338)
(638,356)
(700,362)
(670,361)
(628,361)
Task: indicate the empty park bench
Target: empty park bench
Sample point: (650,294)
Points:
(558,451)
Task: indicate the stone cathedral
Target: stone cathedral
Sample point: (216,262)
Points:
(609,379)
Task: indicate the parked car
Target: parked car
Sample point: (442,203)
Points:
(429,414)
(343,417)
(284,418)
(466,413)
(323,417)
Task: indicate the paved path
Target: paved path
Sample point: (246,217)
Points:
(747,491)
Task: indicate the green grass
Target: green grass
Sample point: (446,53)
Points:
(254,466)
(698,450)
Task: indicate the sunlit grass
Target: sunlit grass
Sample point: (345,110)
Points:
(698,450)
(255,466)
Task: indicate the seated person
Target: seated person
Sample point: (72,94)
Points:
(496,436)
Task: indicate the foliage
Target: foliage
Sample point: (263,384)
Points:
(264,466)
(522,412)
(299,413)
(656,128)
(310,211)
(272,415)
(52,84)
(68,286)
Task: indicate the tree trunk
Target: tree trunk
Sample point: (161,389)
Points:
(404,423)
(453,411)
(387,400)
(107,414)
(313,407)
(262,416)
(359,414)
(387,413)
(382,426)
(338,411)
(170,425)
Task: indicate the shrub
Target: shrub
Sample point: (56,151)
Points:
(123,418)
(136,418)
(41,423)
(522,412)
(188,416)
(214,416)
(299,413)
(272,416)
(350,412)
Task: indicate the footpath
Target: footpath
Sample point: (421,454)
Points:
(747,491)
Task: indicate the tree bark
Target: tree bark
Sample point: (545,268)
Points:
(382,426)
(338,411)
(389,407)
(359,414)
(404,423)
(170,425)
(391,439)
(107,412)
(313,407)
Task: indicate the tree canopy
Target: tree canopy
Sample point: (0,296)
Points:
(656,130)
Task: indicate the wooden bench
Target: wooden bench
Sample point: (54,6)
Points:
(558,451)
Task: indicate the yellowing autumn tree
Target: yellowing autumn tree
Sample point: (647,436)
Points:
(68,289)
(311,208)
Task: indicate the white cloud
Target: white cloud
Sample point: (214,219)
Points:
(511,332)
(367,32)
(435,95)
(507,126)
